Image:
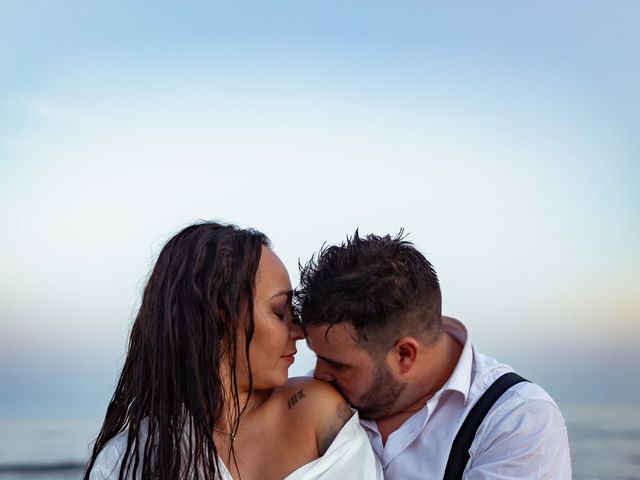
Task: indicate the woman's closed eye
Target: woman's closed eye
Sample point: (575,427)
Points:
(285,310)
(282,312)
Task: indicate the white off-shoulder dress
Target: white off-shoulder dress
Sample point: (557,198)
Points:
(350,456)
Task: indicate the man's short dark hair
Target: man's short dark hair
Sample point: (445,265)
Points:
(383,286)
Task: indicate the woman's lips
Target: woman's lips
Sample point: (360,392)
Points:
(290,358)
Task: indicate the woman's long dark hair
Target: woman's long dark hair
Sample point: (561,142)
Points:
(198,298)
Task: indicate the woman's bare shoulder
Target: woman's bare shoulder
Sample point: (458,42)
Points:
(317,402)
(316,393)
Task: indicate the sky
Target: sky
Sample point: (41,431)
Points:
(502,136)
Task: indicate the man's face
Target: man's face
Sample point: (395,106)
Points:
(366,382)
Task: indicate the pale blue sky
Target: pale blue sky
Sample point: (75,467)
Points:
(502,136)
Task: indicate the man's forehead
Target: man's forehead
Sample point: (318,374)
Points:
(339,335)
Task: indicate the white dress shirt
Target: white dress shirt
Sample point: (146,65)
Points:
(349,457)
(522,437)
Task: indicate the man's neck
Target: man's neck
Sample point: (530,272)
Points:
(433,370)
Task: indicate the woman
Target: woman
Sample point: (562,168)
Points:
(204,391)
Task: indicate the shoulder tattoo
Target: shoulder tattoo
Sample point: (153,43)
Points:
(296,397)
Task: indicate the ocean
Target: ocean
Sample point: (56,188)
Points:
(604,440)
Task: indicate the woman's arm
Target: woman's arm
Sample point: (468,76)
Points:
(338,414)
(319,406)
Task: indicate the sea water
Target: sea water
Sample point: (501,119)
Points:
(604,441)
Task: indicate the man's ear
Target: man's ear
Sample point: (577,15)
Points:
(405,352)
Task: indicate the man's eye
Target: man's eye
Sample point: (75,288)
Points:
(337,366)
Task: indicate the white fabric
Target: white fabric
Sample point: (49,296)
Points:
(107,464)
(349,457)
(522,437)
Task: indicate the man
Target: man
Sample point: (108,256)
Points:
(371,309)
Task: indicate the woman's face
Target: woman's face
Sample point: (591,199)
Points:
(275,334)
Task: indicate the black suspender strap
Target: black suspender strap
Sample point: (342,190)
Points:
(459,455)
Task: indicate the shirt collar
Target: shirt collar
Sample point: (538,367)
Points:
(460,379)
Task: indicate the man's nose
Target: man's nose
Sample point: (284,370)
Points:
(296,332)
(323,373)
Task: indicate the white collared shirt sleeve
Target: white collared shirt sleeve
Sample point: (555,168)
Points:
(525,442)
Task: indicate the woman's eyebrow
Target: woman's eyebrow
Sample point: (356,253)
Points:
(288,293)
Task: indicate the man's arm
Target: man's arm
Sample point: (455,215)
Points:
(526,442)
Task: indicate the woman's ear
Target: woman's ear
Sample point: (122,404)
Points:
(406,352)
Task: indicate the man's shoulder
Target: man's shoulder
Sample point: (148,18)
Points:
(524,397)
(521,408)
(524,423)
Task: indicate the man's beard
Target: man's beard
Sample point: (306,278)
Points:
(380,400)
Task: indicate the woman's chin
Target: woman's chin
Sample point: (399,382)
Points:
(271,383)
